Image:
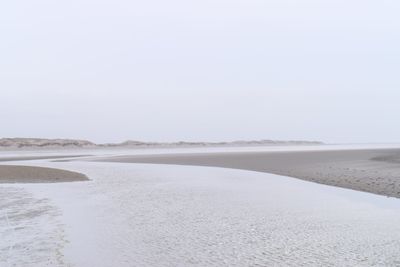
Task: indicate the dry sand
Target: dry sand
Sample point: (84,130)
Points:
(371,170)
(29,174)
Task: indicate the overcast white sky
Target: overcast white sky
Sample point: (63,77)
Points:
(159,70)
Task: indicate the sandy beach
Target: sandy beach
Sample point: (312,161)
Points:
(219,133)
(31,174)
(135,214)
(370,170)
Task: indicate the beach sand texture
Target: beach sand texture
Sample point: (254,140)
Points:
(159,215)
(370,170)
(32,174)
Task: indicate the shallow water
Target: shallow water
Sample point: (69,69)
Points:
(140,151)
(160,215)
(31,232)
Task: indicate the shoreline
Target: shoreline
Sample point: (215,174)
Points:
(143,214)
(368,170)
(25,158)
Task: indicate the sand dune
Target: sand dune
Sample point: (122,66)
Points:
(37,143)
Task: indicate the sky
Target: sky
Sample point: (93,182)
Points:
(209,70)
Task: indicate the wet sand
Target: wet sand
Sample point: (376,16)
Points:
(370,170)
(160,215)
(23,158)
(29,174)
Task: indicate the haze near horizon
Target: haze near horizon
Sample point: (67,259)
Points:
(200,71)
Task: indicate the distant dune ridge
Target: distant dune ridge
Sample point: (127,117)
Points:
(74,143)
(39,142)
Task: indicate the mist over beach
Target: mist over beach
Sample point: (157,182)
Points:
(199,133)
